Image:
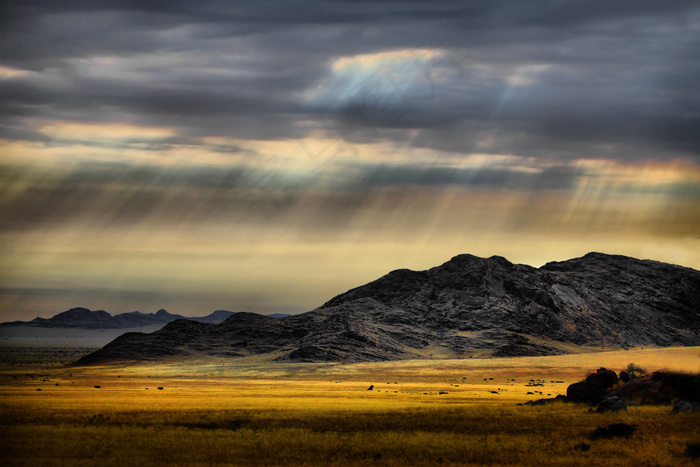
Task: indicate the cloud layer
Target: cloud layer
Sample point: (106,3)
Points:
(361,129)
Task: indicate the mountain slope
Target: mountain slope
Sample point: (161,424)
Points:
(467,307)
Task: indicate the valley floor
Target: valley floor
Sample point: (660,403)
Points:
(249,412)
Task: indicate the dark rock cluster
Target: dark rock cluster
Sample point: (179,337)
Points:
(593,388)
(603,388)
(661,387)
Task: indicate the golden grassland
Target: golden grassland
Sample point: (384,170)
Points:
(252,412)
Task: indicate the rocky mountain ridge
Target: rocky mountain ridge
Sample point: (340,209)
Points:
(467,307)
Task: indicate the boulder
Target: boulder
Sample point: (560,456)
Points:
(604,377)
(686,406)
(579,392)
(594,388)
(611,404)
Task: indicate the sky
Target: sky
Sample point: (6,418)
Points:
(266,156)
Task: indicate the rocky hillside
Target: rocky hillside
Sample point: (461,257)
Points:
(467,307)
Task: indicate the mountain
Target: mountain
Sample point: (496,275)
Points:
(467,307)
(83,318)
(215,317)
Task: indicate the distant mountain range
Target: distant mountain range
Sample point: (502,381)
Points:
(84,318)
(467,307)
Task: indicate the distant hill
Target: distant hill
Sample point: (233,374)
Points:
(83,318)
(467,307)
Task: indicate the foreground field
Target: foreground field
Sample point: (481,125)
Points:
(450,412)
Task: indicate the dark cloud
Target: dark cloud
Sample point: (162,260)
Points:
(608,74)
(566,14)
(551,178)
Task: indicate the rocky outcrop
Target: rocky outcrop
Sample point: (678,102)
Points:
(467,307)
(661,387)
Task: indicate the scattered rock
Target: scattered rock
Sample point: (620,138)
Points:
(97,387)
(583,447)
(614,430)
(611,404)
(545,401)
(686,406)
(160,388)
(539,402)
(692,450)
(371,387)
(443,392)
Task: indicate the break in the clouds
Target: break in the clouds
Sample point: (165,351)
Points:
(200,149)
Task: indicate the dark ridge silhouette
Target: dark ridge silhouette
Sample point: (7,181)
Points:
(83,318)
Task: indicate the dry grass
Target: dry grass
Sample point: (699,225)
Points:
(250,413)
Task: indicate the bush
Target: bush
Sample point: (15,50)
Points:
(635,371)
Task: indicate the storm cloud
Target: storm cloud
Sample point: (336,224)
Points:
(572,71)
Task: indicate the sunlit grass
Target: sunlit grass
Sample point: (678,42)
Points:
(322,414)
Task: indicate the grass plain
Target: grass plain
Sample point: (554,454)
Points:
(252,412)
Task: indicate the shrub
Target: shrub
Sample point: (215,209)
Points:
(635,371)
